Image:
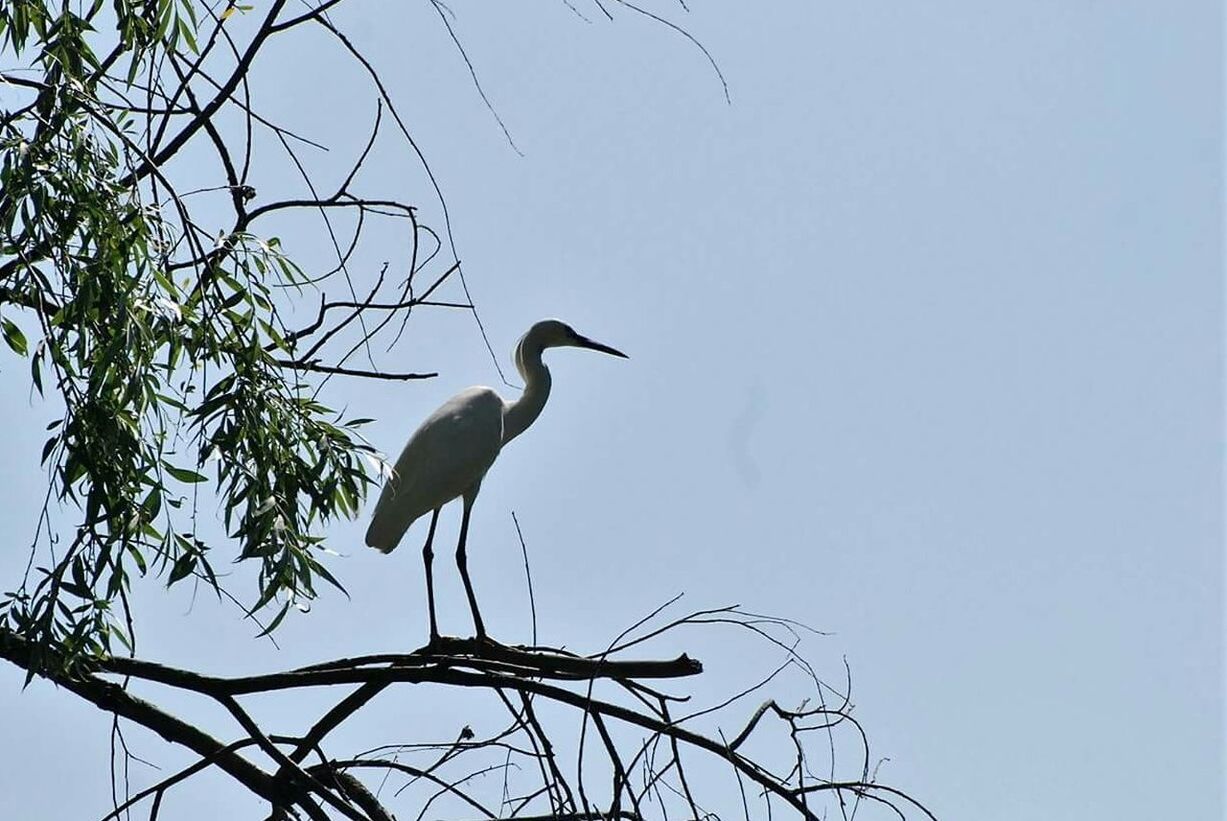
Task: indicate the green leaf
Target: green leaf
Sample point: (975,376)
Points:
(153,502)
(14,337)
(188,35)
(184,565)
(285,608)
(139,558)
(48,446)
(184,475)
(323,571)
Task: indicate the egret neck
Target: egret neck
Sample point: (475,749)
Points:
(525,410)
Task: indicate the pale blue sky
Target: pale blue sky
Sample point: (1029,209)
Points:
(926,351)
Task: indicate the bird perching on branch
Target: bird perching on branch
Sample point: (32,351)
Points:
(449,454)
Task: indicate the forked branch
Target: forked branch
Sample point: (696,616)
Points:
(630,721)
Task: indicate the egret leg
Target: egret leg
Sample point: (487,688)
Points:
(462,563)
(428,557)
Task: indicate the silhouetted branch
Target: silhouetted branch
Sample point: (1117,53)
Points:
(332,775)
(162,786)
(315,366)
(521,678)
(112,698)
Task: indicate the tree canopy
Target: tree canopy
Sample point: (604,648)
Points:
(167,346)
(187,370)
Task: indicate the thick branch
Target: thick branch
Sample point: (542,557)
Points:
(443,670)
(544,661)
(352,789)
(114,699)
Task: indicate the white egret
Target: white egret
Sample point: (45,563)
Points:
(449,454)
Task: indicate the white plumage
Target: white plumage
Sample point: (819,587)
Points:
(456,443)
(448,455)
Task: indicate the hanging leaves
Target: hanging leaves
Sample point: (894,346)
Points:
(163,349)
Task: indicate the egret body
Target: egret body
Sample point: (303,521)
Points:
(448,455)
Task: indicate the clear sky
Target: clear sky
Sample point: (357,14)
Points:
(926,339)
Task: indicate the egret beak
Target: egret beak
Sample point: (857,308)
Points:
(593,345)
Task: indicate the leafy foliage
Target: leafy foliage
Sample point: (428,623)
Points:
(166,350)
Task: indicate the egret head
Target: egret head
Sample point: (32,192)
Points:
(554,333)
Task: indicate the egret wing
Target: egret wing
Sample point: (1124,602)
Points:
(446,456)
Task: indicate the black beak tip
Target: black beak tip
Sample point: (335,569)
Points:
(593,345)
